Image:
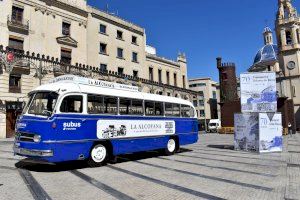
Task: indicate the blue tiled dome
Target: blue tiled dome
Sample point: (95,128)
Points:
(266,54)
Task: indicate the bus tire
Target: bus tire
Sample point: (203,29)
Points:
(98,155)
(171,146)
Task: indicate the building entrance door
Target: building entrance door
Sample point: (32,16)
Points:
(13,110)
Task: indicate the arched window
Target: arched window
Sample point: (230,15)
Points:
(288,37)
(286,13)
(298,38)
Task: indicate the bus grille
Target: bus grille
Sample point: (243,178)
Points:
(26,137)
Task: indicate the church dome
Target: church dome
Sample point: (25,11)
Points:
(268,53)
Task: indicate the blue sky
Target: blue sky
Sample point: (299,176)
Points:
(203,29)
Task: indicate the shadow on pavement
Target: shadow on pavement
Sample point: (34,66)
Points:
(229,147)
(73,165)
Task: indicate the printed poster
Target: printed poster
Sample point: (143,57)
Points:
(270,132)
(109,129)
(246,132)
(258,92)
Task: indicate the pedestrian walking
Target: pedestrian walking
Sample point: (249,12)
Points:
(290,129)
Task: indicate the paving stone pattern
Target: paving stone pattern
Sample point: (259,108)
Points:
(210,169)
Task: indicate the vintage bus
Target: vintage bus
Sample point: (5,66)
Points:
(76,118)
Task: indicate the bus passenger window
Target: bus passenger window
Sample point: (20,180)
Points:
(186,111)
(149,108)
(137,107)
(71,104)
(124,106)
(95,104)
(110,105)
(168,109)
(176,110)
(159,109)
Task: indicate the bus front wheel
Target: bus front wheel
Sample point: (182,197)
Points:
(171,146)
(98,156)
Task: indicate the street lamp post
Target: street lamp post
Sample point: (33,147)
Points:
(290,66)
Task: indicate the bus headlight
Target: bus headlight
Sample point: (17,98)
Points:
(36,138)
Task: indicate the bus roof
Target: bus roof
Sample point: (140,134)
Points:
(75,84)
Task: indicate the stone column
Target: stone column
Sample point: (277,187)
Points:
(283,37)
(294,34)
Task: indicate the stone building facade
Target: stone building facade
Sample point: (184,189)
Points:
(283,58)
(206,103)
(69,36)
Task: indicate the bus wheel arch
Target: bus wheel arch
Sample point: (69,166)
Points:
(100,153)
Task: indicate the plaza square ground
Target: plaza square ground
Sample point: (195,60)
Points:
(210,169)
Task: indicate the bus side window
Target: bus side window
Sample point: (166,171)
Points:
(149,108)
(185,111)
(176,110)
(110,105)
(159,109)
(172,110)
(168,109)
(71,104)
(95,104)
(137,107)
(124,106)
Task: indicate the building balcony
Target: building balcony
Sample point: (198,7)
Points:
(19,26)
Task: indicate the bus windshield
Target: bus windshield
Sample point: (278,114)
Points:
(42,103)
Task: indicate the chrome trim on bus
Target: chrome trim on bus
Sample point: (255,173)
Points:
(32,152)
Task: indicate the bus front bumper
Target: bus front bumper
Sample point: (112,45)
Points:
(32,152)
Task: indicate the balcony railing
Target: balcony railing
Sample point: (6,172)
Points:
(20,26)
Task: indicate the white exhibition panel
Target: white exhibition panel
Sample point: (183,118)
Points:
(258,92)
(270,132)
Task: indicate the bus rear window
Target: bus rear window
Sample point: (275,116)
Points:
(71,104)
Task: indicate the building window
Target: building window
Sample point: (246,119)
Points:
(195,102)
(150,73)
(134,40)
(120,70)
(120,53)
(66,28)
(17,14)
(66,56)
(169,94)
(15,44)
(183,81)
(289,39)
(201,102)
(214,94)
(134,57)
(202,113)
(201,93)
(175,80)
(120,35)
(168,78)
(103,48)
(135,74)
(15,83)
(102,29)
(159,76)
(103,67)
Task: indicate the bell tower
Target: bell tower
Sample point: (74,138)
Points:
(288,37)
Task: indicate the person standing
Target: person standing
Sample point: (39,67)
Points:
(290,128)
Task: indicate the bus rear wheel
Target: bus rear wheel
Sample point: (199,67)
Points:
(98,156)
(171,146)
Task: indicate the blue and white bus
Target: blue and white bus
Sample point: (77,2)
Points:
(76,118)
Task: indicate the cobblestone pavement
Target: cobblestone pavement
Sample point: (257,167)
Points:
(210,169)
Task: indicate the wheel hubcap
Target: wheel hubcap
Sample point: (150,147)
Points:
(98,153)
(171,145)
